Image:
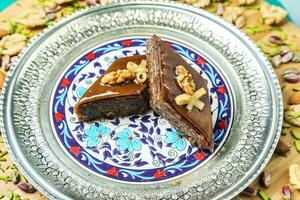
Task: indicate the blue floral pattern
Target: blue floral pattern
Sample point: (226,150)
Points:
(136,148)
(176,141)
(95,134)
(125,140)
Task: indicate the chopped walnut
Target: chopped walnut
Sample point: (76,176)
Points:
(140,70)
(272,14)
(4,29)
(235,16)
(118,77)
(294,173)
(246,2)
(12,44)
(191,100)
(185,80)
(33,17)
(197,3)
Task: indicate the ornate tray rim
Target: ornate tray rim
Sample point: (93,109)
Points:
(9,80)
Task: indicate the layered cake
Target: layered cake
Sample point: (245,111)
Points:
(121,91)
(179,93)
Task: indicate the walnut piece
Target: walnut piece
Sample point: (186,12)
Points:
(191,100)
(4,29)
(294,173)
(12,44)
(246,2)
(235,16)
(185,80)
(33,17)
(272,14)
(118,77)
(197,3)
(140,71)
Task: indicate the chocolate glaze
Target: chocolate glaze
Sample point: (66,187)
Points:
(200,119)
(98,91)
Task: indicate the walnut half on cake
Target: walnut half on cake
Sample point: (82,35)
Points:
(179,94)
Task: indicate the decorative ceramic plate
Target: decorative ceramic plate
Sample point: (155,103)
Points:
(140,156)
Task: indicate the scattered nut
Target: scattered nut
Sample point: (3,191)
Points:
(220,9)
(33,17)
(282,148)
(276,60)
(201,3)
(284,50)
(53,8)
(4,29)
(249,191)
(265,179)
(276,40)
(191,100)
(2,78)
(5,61)
(291,75)
(92,2)
(292,115)
(197,3)
(118,77)
(272,14)
(15,177)
(296,58)
(246,2)
(295,99)
(26,187)
(235,15)
(286,191)
(294,173)
(185,80)
(140,71)
(62,1)
(13,44)
(287,57)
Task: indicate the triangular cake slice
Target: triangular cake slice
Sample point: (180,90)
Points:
(121,91)
(179,93)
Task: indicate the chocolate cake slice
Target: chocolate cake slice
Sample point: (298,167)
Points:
(179,93)
(120,92)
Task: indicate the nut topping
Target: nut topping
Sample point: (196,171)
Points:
(272,14)
(140,70)
(118,77)
(13,44)
(185,80)
(191,100)
(133,71)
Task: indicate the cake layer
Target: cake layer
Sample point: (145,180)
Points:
(195,124)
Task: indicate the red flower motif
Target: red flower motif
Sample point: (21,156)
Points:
(168,44)
(65,82)
(158,174)
(221,89)
(200,155)
(59,117)
(222,124)
(127,43)
(90,56)
(75,150)
(113,172)
(200,61)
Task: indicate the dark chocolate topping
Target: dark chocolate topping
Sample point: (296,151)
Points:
(98,91)
(200,119)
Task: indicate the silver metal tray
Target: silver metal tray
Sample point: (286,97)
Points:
(138,157)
